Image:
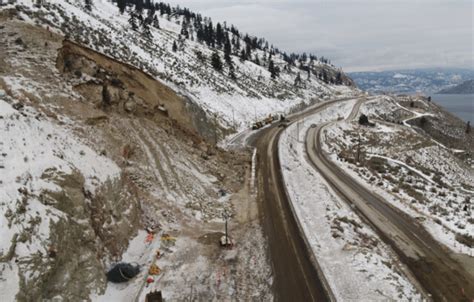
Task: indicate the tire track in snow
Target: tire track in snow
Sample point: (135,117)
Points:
(152,161)
(164,161)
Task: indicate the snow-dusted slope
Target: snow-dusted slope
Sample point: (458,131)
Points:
(253,94)
(339,239)
(41,162)
(416,173)
(79,182)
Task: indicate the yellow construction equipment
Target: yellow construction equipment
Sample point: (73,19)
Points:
(154,270)
(167,237)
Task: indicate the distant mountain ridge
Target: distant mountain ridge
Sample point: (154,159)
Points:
(411,81)
(466,87)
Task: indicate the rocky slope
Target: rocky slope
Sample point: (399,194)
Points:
(234,103)
(81,177)
(419,157)
(106,136)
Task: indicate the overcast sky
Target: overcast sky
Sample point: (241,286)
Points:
(357,35)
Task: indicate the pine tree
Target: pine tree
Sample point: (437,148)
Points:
(237,45)
(227,52)
(138,6)
(156,22)
(200,56)
(122,5)
(339,78)
(257,59)
(219,35)
(468,127)
(175,47)
(232,72)
(184,29)
(146,31)
(209,35)
(88,4)
(273,70)
(149,18)
(243,55)
(363,119)
(216,61)
(133,20)
(298,80)
(325,76)
(248,50)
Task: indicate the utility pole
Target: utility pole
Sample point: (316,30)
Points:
(215,129)
(226,217)
(233,118)
(358,149)
(226,233)
(298,131)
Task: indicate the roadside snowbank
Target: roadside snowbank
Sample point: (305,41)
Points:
(340,241)
(414,174)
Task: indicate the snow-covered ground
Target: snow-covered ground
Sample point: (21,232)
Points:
(356,263)
(53,156)
(82,198)
(418,175)
(253,95)
(36,154)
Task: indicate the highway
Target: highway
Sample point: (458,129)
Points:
(296,273)
(432,264)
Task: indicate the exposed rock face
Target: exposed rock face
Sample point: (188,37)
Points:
(91,226)
(113,85)
(150,138)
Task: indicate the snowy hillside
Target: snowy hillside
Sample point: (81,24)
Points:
(339,238)
(102,163)
(418,174)
(252,94)
(81,185)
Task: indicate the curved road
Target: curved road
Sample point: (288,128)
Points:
(296,273)
(434,268)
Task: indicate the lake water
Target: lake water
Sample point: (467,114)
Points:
(461,105)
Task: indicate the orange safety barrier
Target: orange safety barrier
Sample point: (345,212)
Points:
(149,238)
(154,270)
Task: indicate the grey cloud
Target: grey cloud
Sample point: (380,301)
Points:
(358,34)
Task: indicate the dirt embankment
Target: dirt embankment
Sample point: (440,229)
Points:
(91,228)
(170,179)
(74,266)
(117,86)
